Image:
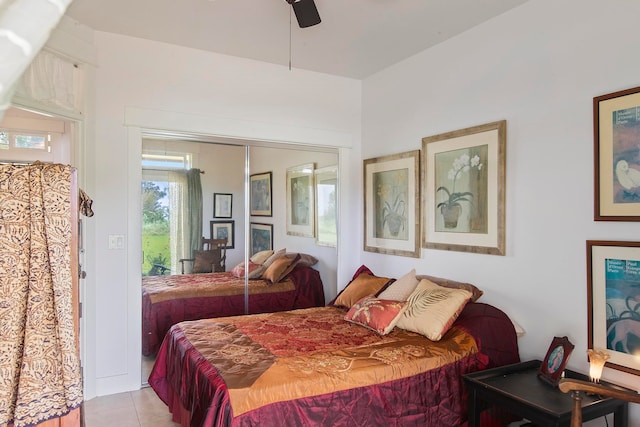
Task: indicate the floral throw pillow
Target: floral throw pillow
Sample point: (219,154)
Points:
(376,314)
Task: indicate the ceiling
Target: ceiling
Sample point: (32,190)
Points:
(356,38)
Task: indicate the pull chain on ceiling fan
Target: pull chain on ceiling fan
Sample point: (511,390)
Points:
(306,14)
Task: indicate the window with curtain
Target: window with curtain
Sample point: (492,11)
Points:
(171,211)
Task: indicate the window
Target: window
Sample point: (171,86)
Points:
(25,140)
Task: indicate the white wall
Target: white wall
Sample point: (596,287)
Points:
(539,67)
(143,85)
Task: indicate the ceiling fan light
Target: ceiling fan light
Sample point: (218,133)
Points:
(306,12)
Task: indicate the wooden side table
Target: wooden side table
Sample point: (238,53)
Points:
(518,389)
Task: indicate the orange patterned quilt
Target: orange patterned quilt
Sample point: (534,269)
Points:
(276,357)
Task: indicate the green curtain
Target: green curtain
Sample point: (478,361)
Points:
(194,203)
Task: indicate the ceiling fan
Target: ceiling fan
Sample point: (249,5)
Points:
(306,12)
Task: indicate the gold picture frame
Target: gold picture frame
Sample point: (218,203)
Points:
(392,204)
(463,189)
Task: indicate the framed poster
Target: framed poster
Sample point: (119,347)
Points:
(326,180)
(301,201)
(552,366)
(222,205)
(260,197)
(463,192)
(613,298)
(261,237)
(616,122)
(391,204)
(223,230)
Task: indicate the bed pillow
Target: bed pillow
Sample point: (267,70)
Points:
(305,259)
(376,314)
(362,269)
(255,270)
(401,289)
(279,269)
(278,254)
(203,261)
(433,309)
(261,257)
(364,285)
(476,293)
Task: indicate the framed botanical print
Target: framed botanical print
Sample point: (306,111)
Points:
(326,180)
(616,121)
(391,204)
(260,194)
(464,189)
(301,201)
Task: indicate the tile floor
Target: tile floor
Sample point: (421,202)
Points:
(141,408)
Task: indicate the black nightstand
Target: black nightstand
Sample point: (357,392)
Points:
(518,389)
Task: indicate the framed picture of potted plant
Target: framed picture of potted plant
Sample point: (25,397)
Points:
(301,201)
(463,192)
(392,204)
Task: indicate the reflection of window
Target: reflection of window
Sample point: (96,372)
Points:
(25,140)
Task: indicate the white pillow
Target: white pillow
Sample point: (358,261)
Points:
(401,289)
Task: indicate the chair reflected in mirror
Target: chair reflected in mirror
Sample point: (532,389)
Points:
(210,259)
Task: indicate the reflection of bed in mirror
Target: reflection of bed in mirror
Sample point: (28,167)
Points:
(167,300)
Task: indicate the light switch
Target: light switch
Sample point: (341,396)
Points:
(116,241)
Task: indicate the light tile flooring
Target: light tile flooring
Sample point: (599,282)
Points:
(141,408)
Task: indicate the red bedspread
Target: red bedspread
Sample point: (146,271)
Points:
(167,300)
(236,371)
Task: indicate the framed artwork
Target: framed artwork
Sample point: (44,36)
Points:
(556,359)
(260,197)
(463,178)
(223,230)
(301,201)
(616,123)
(326,180)
(613,297)
(261,237)
(222,205)
(392,205)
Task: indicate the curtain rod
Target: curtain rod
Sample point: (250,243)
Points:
(167,170)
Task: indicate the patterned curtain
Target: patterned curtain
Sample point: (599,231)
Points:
(39,365)
(178,231)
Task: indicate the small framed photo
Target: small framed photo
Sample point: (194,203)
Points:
(260,194)
(613,298)
(222,205)
(261,237)
(223,230)
(556,359)
(301,201)
(616,123)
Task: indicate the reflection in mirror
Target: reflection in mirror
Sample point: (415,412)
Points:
(170,297)
(326,180)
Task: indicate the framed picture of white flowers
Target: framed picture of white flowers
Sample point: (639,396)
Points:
(392,204)
(463,189)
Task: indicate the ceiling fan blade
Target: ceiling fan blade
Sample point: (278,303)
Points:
(306,13)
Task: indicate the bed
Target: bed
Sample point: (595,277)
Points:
(167,300)
(313,367)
